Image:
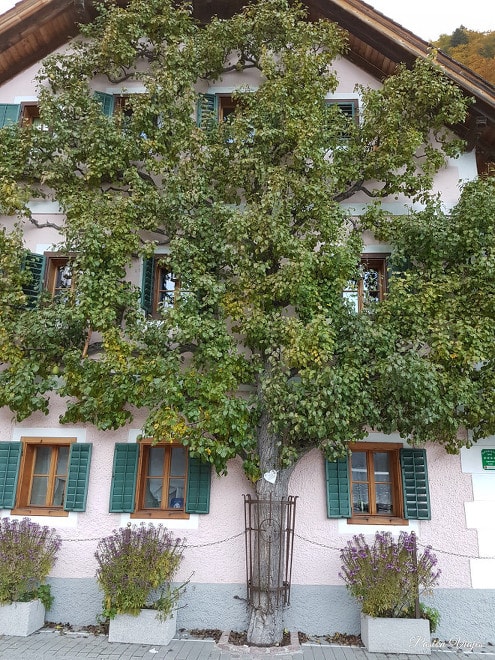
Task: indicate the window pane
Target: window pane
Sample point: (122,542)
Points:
(351,295)
(358,464)
(62,460)
(59,492)
(43,457)
(153,493)
(176,493)
(167,284)
(178,462)
(360,498)
(381,461)
(384,498)
(38,491)
(156,459)
(63,279)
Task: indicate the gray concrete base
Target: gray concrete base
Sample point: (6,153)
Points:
(467,615)
(396,635)
(22,619)
(144,628)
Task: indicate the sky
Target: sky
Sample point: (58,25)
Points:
(427,19)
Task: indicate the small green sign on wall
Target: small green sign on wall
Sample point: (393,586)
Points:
(488,459)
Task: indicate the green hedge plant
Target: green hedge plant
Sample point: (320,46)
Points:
(136,565)
(28,552)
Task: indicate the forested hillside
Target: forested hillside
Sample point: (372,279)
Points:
(474,49)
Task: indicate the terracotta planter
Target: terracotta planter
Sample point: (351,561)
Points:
(22,619)
(144,628)
(396,635)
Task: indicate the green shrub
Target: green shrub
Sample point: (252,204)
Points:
(387,575)
(27,554)
(136,565)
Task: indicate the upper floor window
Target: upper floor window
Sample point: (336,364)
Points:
(370,286)
(348,111)
(160,287)
(58,275)
(214,108)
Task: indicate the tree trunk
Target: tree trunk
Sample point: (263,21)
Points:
(266,606)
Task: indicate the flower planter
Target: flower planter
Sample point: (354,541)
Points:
(144,628)
(22,619)
(396,635)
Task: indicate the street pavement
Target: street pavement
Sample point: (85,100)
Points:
(47,644)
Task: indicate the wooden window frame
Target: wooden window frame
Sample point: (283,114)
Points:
(30,111)
(55,260)
(140,511)
(225,102)
(377,262)
(25,480)
(373,518)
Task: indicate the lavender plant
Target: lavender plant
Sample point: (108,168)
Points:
(27,554)
(136,565)
(385,576)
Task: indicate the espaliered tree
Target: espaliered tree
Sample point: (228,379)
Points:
(260,356)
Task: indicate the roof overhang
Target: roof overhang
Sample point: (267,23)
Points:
(34,28)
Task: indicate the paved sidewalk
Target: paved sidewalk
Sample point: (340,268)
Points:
(48,644)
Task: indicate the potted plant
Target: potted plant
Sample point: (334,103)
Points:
(136,565)
(387,578)
(27,554)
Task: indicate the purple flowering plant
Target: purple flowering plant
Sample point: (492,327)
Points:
(136,565)
(385,576)
(28,552)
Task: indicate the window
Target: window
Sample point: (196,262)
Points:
(160,288)
(349,113)
(162,480)
(158,481)
(375,481)
(379,483)
(50,272)
(44,476)
(214,108)
(370,286)
(58,278)
(30,116)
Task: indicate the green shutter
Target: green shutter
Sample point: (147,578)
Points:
(348,109)
(207,112)
(123,489)
(338,492)
(147,283)
(10,456)
(415,484)
(198,486)
(107,102)
(9,113)
(78,476)
(34,264)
